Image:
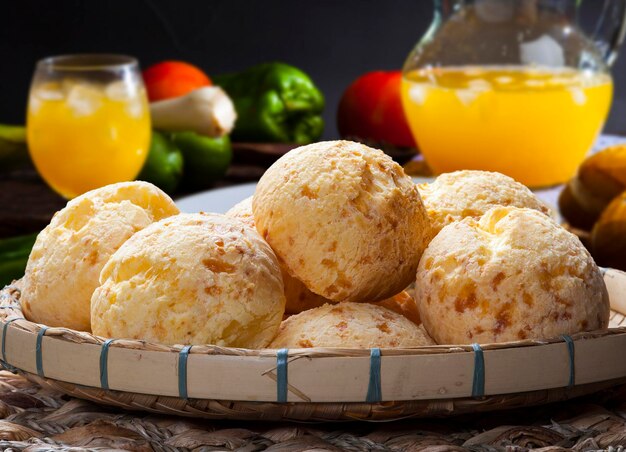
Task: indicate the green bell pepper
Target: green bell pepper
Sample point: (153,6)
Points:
(206,159)
(164,165)
(275,102)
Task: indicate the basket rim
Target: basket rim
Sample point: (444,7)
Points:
(9,303)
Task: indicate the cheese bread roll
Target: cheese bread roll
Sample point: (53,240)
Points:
(65,263)
(513,274)
(344,219)
(298,297)
(359,325)
(468,193)
(191,279)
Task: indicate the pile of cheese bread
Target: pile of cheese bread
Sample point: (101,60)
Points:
(337,248)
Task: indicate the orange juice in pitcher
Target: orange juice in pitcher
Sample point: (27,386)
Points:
(514,86)
(534,124)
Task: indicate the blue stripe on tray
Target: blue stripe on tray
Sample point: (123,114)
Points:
(281,374)
(104,364)
(38,351)
(5,327)
(478,385)
(374,391)
(572,364)
(182,371)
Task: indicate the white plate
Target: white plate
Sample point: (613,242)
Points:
(222,199)
(218,200)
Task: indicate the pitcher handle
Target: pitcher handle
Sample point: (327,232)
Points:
(610,28)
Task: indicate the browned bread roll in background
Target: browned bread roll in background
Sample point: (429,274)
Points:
(600,178)
(470,193)
(608,236)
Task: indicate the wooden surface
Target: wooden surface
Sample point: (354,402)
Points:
(28,203)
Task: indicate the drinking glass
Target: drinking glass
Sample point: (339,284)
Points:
(88,122)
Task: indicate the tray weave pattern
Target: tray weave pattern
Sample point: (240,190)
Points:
(36,419)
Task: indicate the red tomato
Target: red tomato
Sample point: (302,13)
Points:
(371,108)
(172,79)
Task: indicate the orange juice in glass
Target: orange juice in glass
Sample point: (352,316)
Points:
(534,124)
(88,122)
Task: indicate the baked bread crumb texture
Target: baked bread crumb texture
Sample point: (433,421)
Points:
(191,279)
(65,263)
(460,194)
(344,219)
(338,241)
(349,324)
(298,297)
(513,274)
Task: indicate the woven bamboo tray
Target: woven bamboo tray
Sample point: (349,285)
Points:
(315,384)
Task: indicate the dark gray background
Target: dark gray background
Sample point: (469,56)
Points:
(333,40)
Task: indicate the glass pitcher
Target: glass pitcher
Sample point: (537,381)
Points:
(513,86)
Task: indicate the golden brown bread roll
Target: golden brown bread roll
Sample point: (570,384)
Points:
(359,325)
(344,219)
(191,279)
(608,237)
(298,297)
(600,178)
(65,262)
(513,274)
(469,193)
(243,211)
(403,304)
